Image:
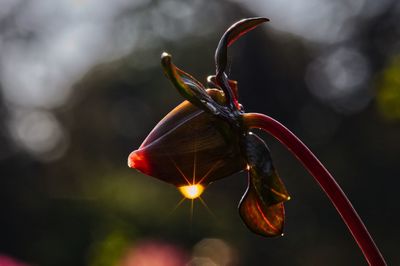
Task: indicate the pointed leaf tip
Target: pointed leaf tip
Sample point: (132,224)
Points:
(242,27)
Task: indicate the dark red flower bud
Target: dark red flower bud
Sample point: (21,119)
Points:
(204,139)
(189,146)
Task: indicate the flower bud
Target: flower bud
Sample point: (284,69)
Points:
(189,146)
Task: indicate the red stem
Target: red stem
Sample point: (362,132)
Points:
(324,179)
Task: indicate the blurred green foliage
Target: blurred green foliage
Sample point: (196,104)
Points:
(388,97)
(110,250)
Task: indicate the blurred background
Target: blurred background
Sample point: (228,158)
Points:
(81,87)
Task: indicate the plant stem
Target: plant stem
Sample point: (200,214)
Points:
(324,179)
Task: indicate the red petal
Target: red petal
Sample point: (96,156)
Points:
(260,218)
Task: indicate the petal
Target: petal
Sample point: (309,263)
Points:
(190,88)
(261,207)
(189,146)
(260,218)
(265,179)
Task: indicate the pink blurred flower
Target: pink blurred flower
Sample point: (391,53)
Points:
(8,261)
(154,253)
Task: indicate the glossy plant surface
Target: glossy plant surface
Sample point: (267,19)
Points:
(204,139)
(209,137)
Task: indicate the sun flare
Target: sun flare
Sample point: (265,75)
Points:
(191,191)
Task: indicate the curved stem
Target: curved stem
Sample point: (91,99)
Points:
(324,179)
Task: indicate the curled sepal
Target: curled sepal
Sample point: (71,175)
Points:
(191,89)
(258,217)
(264,178)
(231,35)
(221,56)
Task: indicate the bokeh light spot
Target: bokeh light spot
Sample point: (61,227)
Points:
(39,133)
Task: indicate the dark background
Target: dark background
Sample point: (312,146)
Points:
(81,87)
